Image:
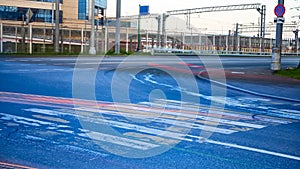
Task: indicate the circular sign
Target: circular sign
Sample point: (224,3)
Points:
(279,10)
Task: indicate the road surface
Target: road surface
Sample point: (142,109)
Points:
(147,112)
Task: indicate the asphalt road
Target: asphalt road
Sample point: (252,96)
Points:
(146,112)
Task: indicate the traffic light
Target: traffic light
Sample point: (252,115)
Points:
(101,17)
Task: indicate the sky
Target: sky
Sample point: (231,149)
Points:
(216,22)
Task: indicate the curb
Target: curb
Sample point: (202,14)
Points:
(248,91)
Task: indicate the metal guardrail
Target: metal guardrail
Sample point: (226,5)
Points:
(167,51)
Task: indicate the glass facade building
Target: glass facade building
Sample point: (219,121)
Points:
(19,14)
(43,10)
(60,1)
(83,7)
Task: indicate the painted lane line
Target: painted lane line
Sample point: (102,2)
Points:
(23,70)
(254,149)
(94,135)
(211,110)
(41,69)
(69,102)
(243,115)
(172,122)
(9,165)
(24,120)
(83,150)
(241,73)
(22,101)
(212,119)
(196,124)
(59,69)
(123,141)
(159,120)
(143,129)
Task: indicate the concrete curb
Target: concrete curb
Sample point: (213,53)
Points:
(248,91)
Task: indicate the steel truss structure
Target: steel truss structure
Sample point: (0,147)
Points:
(260,8)
(215,9)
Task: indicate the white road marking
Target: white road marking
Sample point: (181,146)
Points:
(169,121)
(41,70)
(119,140)
(24,120)
(212,111)
(254,149)
(238,73)
(23,70)
(123,125)
(212,119)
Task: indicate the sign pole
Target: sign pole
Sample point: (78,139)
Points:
(143,10)
(276,52)
(56,42)
(118,25)
(1,37)
(92,50)
(139,31)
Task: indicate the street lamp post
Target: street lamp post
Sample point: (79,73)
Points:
(56,46)
(97,29)
(276,53)
(92,50)
(117,38)
(139,32)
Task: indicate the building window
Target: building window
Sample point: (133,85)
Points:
(61,1)
(18,14)
(83,8)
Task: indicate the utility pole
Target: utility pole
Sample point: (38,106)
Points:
(1,37)
(118,25)
(23,34)
(92,50)
(139,31)
(56,45)
(52,24)
(276,52)
(164,19)
(296,40)
(262,12)
(236,35)
(158,30)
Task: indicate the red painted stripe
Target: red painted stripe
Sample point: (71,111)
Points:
(10,165)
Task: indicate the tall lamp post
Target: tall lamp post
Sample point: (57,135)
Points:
(117,38)
(92,50)
(56,46)
(276,52)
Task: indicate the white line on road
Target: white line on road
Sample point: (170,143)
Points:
(23,70)
(241,73)
(224,121)
(168,121)
(41,69)
(58,69)
(119,140)
(254,149)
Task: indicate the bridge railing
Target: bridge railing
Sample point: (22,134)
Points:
(169,51)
